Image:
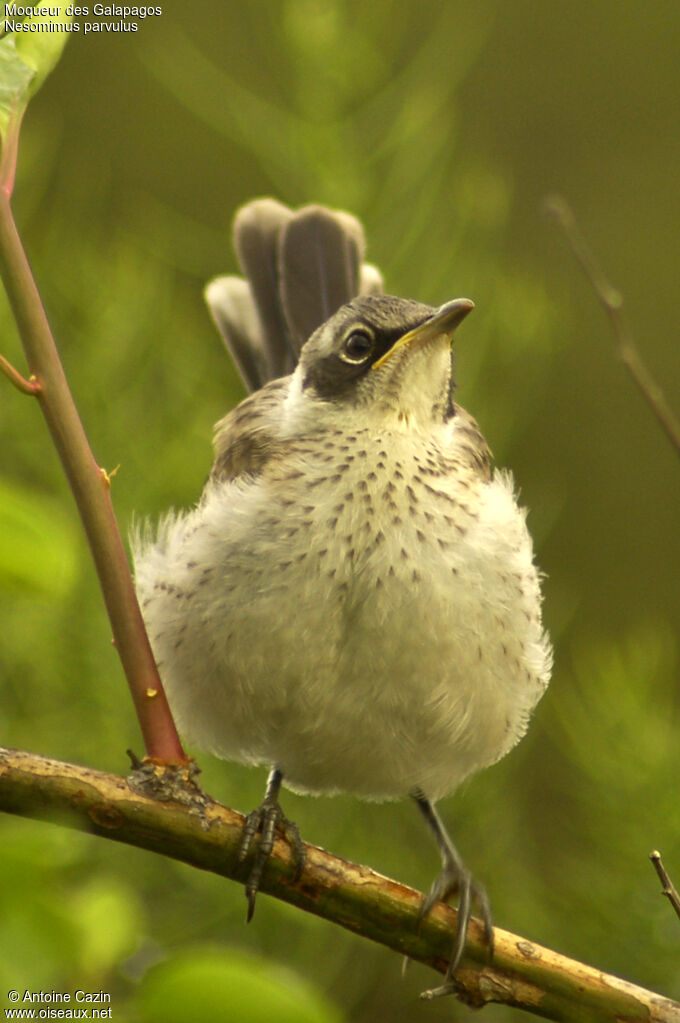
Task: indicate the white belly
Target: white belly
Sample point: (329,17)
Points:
(366,625)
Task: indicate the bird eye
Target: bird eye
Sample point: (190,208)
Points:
(357,346)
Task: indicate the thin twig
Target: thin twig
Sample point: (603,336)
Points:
(612,301)
(15,377)
(205,834)
(668,888)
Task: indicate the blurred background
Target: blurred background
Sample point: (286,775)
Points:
(443,126)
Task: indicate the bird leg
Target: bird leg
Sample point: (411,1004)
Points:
(268,818)
(454,878)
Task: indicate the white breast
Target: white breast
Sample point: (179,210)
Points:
(353,616)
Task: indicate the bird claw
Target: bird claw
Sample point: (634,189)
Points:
(456,879)
(448,988)
(267,819)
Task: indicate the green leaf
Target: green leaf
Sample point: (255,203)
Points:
(212,983)
(27,55)
(41,47)
(15,79)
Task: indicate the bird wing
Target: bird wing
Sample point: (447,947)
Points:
(247,438)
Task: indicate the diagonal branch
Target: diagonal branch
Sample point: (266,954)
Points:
(205,834)
(90,486)
(612,301)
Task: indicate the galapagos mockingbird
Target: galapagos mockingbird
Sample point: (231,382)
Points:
(353,601)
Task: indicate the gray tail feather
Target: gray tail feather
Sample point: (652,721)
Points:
(319,257)
(232,307)
(299,267)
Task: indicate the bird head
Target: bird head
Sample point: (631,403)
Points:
(382,355)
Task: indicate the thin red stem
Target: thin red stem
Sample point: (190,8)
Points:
(16,378)
(90,487)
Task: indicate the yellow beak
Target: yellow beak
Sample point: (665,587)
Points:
(444,321)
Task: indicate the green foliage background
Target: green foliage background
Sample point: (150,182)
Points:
(442,126)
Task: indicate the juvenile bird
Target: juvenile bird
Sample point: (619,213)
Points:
(353,601)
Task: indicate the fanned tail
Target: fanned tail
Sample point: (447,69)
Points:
(299,268)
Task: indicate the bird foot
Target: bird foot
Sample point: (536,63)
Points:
(268,819)
(454,879)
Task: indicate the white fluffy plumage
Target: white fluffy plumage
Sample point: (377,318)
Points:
(364,612)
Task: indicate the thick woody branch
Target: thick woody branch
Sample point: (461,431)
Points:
(182,823)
